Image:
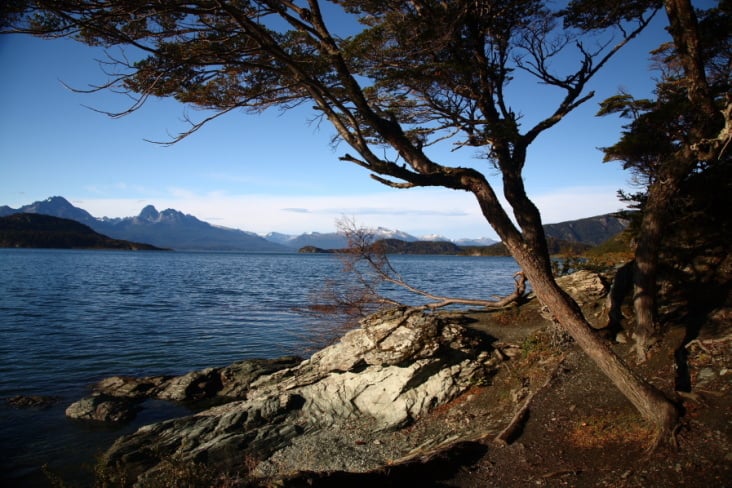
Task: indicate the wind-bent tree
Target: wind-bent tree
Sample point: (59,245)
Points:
(683,132)
(419,72)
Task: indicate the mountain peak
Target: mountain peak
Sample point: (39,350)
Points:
(57,200)
(58,207)
(149,213)
(56,203)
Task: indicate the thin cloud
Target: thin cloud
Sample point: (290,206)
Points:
(418,212)
(577,202)
(397,211)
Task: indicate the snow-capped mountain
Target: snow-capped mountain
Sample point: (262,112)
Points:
(434,238)
(481,241)
(168,229)
(333,240)
(279,238)
(383,233)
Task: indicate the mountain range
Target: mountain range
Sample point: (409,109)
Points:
(175,230)
(167,229)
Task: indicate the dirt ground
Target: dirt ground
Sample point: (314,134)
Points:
(581,432)
(578,430)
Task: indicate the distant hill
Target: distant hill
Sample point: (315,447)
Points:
(332,240)
(556,246)
(591,230)
(571,237)
(482,241)
(168,229)
(26,230)
(398,246)
(563,237)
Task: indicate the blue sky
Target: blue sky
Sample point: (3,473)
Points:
(277,171)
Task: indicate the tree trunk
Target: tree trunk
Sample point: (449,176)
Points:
(661,192)
(684,29)
(653,223)
(534,260)
(649,401)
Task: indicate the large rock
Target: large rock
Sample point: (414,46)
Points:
(192,386)
(103,408)
(587,289)
(584,286)
(119,398)
(130,387)
(397,367)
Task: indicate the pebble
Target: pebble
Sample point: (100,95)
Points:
(706,374)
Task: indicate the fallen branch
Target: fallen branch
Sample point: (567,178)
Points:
(702,343)
(519,418)
(441,301)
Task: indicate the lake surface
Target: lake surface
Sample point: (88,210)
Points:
(71,318)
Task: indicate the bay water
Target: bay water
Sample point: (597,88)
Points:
(69,318)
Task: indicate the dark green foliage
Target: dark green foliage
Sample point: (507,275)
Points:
(396,246)
(591,14)
(555,246)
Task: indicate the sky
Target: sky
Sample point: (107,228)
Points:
(275,172)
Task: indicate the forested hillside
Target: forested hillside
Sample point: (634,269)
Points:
(43,231)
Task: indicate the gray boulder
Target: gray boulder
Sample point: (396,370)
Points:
(119,398)
(103,408)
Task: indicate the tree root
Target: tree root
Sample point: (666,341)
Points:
(704,343)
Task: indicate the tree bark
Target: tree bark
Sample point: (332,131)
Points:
(536,264)
(684,30)
(647,399)
(645,271)
(666,185)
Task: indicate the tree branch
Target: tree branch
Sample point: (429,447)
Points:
(362,249)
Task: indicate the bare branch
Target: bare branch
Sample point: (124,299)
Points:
(362,250)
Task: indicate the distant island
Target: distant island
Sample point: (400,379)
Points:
(397,246)
(26,230)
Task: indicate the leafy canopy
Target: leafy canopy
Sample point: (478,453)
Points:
(438,68)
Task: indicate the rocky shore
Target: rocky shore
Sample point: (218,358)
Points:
(395,399)
(272,418)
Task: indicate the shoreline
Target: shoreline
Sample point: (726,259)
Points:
(321,422)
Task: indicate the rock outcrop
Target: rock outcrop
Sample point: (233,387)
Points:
(397,367)
(103,408)
(32,401)
(588,289)
(119,398)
